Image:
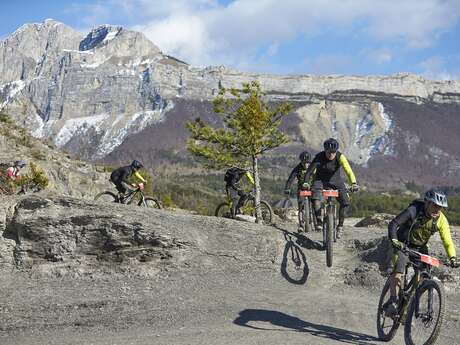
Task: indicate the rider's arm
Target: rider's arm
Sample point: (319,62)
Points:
(311,168)
(444,232)
(346,167)
(407,215)
(139,176)
(250,178)
(291,177)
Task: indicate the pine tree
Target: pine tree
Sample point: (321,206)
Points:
(251,127)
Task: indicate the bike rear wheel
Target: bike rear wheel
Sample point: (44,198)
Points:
(151,203)
(329,236)
(223,210)
(386,326)
(425,315)
(106,197)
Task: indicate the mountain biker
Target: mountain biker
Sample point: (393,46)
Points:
(413,227)
(299,173)
(13,172)
(326,167)
(232,180)
(119,177)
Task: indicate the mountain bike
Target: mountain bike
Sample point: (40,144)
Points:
(329,223)
(136,195)
(420,303)
(224,209)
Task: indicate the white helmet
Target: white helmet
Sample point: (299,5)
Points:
(437,197)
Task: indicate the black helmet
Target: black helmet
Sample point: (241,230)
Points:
(20,163)
(437,197)
(305,157)
(331,145)
(137,165)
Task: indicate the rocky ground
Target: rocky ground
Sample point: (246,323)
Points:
(75,272)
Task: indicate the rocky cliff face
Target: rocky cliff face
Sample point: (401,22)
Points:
(94,94)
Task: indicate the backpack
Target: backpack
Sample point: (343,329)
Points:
(231,173)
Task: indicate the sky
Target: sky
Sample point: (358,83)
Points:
(351,37)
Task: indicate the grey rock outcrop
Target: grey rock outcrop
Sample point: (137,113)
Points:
(61,235)
(378,220)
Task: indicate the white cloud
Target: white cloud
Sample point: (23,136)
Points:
(206,32)
(437,68)
(381,56)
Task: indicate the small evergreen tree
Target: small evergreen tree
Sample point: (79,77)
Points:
(251,127)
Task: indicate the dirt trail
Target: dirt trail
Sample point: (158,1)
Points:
(297,300)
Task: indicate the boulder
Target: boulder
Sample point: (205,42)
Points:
(378,220)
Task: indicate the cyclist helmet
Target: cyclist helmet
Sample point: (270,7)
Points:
(20,163)
(437,197)
(137,165)
(305,157)
(331,145)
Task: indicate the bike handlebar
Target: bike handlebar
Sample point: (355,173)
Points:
(426,259)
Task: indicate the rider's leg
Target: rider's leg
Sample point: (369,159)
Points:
(399,265)
(121,190)
(241,201)
(344,202)
(317,198)
(233,193)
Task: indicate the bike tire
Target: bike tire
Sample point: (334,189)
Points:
(306,216)
(334,212)
(385,336)
(267,212)
(223,210)
(329,237)
(150,203)
(425,286)
(106,196)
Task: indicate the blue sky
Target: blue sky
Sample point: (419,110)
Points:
(358,37)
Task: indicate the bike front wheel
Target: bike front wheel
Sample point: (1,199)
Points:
(265,210)
(106,197)
(329,237)
(425,315)
(386,326)
(151,203)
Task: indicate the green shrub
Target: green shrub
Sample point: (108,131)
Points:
(5,118)
(35,181)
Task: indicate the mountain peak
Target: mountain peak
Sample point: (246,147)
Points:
(100,35)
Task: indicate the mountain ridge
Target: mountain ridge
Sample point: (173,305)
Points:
(93,102)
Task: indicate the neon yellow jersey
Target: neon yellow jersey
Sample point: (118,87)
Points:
(250,178)
(422,234)
(139,176)
(343,161)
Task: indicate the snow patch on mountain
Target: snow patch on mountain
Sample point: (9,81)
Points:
(78,127)
(372,134)
(9,91)
(124,126)
(111,130)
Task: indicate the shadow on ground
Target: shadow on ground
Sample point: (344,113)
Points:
(291,323)
(294,267)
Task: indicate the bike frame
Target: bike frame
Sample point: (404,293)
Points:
(133,193)
(422,264)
